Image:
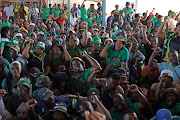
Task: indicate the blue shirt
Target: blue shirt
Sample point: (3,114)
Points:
(5,86)
(174,70)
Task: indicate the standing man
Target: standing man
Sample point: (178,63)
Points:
(99,11)
(33,12)
(128,10)
(75,10)
(9,10)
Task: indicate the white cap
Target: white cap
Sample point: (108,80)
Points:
(108,40)
(89,33)
(32,24)
(95,29)
(170,74)
(19,34)
(40,33)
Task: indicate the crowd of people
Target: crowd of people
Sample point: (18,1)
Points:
(52,69)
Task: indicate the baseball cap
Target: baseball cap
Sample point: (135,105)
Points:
(32,24)
(95,29)
(163,114)
(53,33)
(76,39)
(121,38)
(34,72)
(105,35)
(43,81)
(17,30)
(24,81)
(40,33)
(151,13)
(16,48)
(57,43)
(127,3)
(41,44)
(23,30)
(93,91)
(48,43)
(96,40)
(16,62)
(108,40)
(170,74)
(60,107)
(173,13)
(19,34)
(115,23)
(121,71)
(59,39)
(44,93)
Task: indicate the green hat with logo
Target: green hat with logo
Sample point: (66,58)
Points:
(96,40)
(41,44)
(24,81)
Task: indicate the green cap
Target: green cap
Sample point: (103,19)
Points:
(173,13)
(121,38)
(24,81)
(41,44)
(96,40)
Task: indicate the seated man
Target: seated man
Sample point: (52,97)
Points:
(37,58)
(116,54)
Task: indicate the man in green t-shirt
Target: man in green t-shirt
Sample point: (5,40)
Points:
(45,12)
(89,20)
(116,54)
(82,80)
(83,12)
(129,10)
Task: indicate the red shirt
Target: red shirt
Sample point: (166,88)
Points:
(60,20)
(146,67)
(2,12)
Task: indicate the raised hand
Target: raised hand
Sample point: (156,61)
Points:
(31,103)
(144,27)
(165,18)
(84,53)
(2,92)
(119,89)
(133,88)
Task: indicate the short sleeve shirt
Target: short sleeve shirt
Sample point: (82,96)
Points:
(83,12)
(45,12)
(174,70)
(56,12)
(5,86)
(77,51)
(116,57)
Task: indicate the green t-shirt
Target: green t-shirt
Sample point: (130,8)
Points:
(118,116)
(89,21)
(97,20)
(174,110)
(116,57)
(129,11)
(2,43)
(75,52)
(56,12)
(45,13)
(83,12)
(157,24)
(6,24)
(154,20)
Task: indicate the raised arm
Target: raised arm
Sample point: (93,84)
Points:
(103,53)
(82,3)
(25,52)
(160,32)
(177,17)
(151,59)
(66,54)
(84,41)
(145,40)
(13,3)
(94,63)
(158,90)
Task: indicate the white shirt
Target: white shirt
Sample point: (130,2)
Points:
(172,23)
(9,10)
(73,20)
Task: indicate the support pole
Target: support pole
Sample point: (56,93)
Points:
(104,12)
(69,13)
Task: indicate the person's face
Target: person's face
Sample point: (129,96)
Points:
(56,49)
(83,108)
(153,42)
(173,58)
(127,5)
(50,100)
(95,32)
(118,102)
(118,45)
(32,37)
(15,70)
(167,80)
(96,46)
(22,90)
(13,53)
(77,66)
(34,4)
(24,34)
(130,116)
(31,27)
(99,5)
(170,99)
(117,7)
(62,85)
(63,36)
(19,38)
(134,47)
(8,34)
(58,115)
(21,115)
(43,28)
(89,42)
(72,44)
(128,32)
(112,84)
(26,26)
(74,5)
(92,6)
(41,37)
(39,50)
